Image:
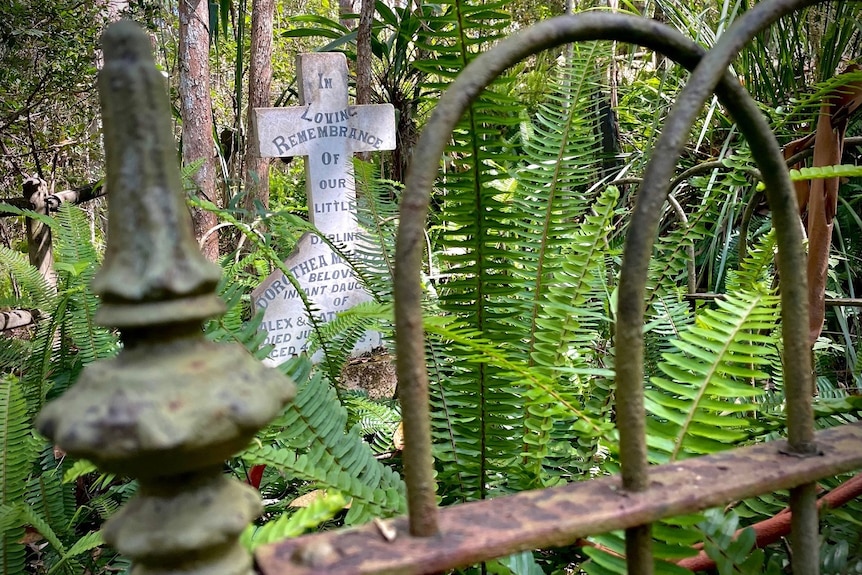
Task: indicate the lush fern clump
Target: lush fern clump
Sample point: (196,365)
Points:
(32,486)
(524,256)
(706,397)
(310,443)
(16,458)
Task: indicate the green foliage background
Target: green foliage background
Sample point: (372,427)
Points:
(523,256)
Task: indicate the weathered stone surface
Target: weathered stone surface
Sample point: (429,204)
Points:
(149,259)
(171,408)
(327,131)
(145,526)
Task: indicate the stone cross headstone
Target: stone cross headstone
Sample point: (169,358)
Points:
(327,131)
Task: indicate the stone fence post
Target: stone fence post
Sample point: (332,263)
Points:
(172,406)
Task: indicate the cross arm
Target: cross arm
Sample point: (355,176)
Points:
(300,131)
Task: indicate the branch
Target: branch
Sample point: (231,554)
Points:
(15,318)
(53,201)
(772,529)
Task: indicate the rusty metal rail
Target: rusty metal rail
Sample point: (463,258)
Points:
(482,530)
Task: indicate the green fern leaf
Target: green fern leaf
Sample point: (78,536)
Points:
(713,378)
(377,421)
(16,457)
(52,500)
(36,293)
(86,543)
(313,444)
(294,524)
(821,172)
(35,519)
(72,247)
(479,273)
(344,331)
(78,469)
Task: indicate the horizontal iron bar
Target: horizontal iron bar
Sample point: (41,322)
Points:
(482,530)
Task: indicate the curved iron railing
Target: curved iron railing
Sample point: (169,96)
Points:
(709,75)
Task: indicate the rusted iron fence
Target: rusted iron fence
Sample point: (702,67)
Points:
(157,291)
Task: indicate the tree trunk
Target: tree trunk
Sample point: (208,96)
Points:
(346,7)
(259,81)
(363,53)
(196,110)
(363,58)
(38,234)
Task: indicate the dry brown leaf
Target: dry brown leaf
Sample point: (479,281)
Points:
(311,497)
(818,199)
(398,437)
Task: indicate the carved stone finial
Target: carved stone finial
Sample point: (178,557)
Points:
(152,257)
(172,406)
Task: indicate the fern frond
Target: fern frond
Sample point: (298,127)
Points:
(608,557)
(312,444)
(73,248)
(377,420)
(13,354)
(230,327)
(756,271)
(475,223)
(377,216)
(706,204)
(16,456)
(447,417)
(508,239)
(52,500)
(713,379)
(344,331)
(821,173)
(35,519)
(86,543)
(319,511)
(78,469)
(36,293)
(567,332)
(670,315)
(67,337)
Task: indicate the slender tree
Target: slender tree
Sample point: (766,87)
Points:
(259,82)
(196,109)
(363,53)
(364,57)
(345,7)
